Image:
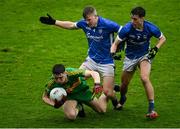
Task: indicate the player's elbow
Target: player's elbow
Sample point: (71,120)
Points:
(71,115)
(163,39)
(44,98)
(95,74)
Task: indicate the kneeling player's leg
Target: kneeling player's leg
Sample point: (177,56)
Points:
(98,105)
(70,109)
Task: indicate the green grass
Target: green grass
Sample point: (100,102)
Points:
(29,49)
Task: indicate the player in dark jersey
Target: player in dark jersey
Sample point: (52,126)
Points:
(78,92)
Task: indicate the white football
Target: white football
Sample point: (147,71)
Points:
(57,93)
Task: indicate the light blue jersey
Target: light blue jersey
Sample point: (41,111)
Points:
(137,41)
(100,39)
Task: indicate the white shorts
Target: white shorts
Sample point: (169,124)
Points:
(131,64)
(103,69)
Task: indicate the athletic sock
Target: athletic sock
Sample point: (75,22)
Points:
(122,99)
(114,102)
(151,106)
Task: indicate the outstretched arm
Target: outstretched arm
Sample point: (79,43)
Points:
(65,24)
(49,20)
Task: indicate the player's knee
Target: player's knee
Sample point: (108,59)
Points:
(144,78)
(109,94)
(71,115)
(103,110)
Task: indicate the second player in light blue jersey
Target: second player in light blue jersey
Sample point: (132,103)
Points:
(137,35)
(100,35)
(138,40)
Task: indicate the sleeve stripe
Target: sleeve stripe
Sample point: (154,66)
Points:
(120,29)
(161,35)
(111,38)
(75,24)
(119,38)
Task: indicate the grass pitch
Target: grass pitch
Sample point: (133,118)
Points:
(29,49)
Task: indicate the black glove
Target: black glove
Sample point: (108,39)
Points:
(116,56)
(59,103)
(152,52)
(47,20)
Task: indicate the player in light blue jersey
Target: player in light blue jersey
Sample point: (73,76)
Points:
(137,35)
(100,35)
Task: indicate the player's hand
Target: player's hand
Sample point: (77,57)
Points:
(152,52)
(116,56)
(97,88)
(58,104)
(69,90)
(47,20)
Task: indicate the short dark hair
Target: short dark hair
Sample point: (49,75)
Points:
(138,11)
(89,10)
(58,68)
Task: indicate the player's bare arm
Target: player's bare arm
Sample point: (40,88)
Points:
(97,86)
(161,41)
(49,20)
(93,74)
(47,100)
(74,85)
(155,49)
(65,24)
(115,45)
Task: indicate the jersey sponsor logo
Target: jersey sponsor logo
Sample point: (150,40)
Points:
(145,37)
(138,39)
(88,28)
(100,31)
(132,36)
(96,38)
(137,43)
